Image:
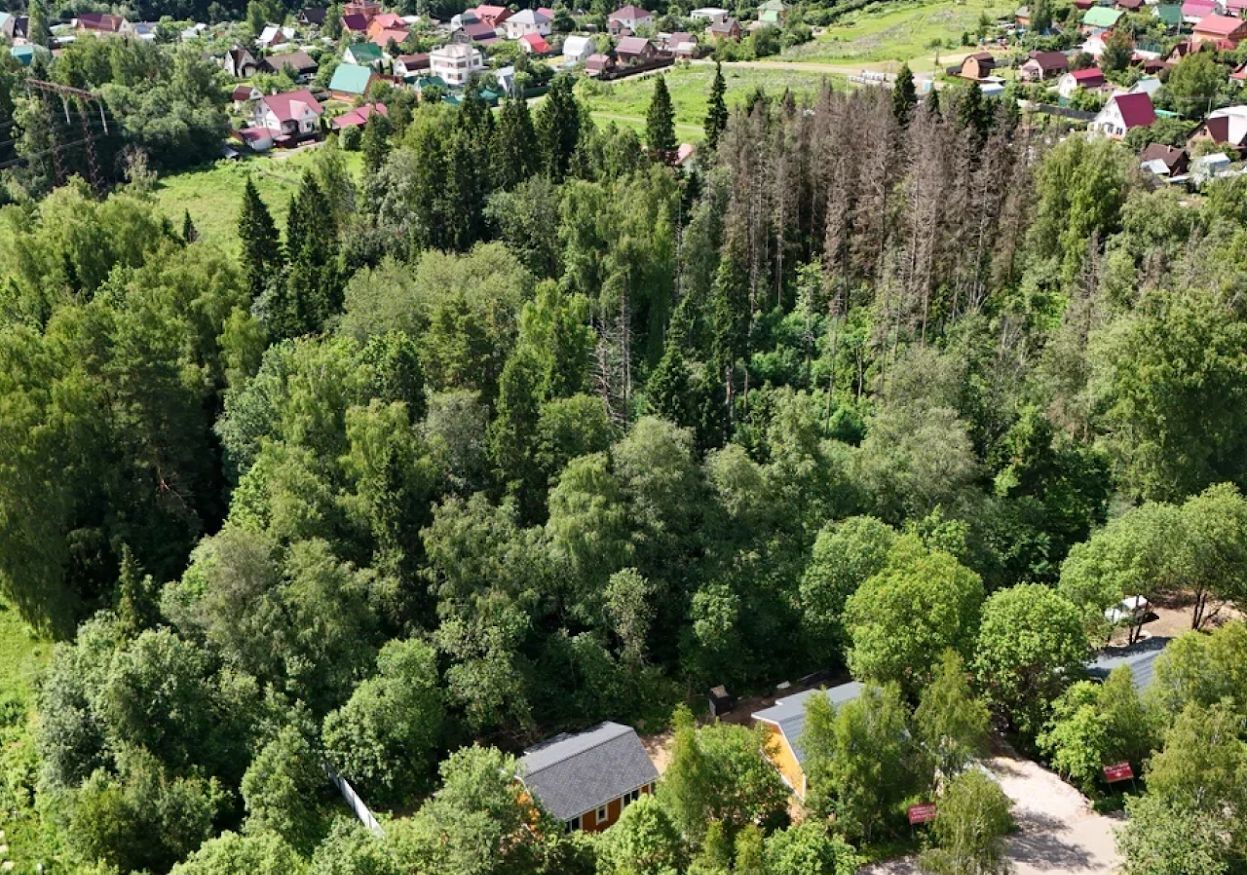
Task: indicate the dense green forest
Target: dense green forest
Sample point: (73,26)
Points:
(525,429)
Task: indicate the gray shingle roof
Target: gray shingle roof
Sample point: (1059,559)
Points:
(789,713)
(1141,658)
(572,774)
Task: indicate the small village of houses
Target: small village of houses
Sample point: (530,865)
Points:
(506,52)
(1075,83)
(587,779)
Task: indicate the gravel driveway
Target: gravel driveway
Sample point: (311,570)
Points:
(1058,832)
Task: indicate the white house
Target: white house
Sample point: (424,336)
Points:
(710,14)
(527,21)
(456,63)
(274,35)
(1121,113)
(577,49)
(1209,167)
(291,115)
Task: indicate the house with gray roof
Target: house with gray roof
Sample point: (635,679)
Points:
(588,778)
(1140,658)
(783,723)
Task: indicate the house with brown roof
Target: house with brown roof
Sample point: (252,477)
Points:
(312,16)
(102,24)
(681,44)
(1225,127)
(1164,160)
(299,65)
(367,9)
(354,23)
(407,66)
(596,65)
(1217,28)
(728,28)
(977,66)
(1043,65)
(243,95)
(474,33)
(240,63)
(632,50)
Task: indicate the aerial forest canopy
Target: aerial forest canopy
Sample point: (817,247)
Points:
(471,449)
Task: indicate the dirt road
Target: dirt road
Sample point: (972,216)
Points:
(1058,832)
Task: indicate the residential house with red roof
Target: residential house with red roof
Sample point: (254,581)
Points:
(243,95)
(534,44)
(629,18)
(1217,28)
(368,9)
(1236,7)
(289,117)
(358,117)
(494,16)
(354,23)
(1090,78)
(1122,113)
(1194,10)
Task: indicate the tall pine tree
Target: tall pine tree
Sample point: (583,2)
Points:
(261,247)
(904,96)
(716,114)
(660,123)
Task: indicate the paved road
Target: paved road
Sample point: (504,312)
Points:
(1058,830)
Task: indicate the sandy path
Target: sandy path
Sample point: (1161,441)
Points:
(1058,832)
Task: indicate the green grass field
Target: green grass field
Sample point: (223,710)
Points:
(626,102)
(213,194)
(23,655)
(898,31)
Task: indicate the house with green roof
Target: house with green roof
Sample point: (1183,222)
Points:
(363,55)
(1099,18)
(1170,14)
(772,12)
(350,81)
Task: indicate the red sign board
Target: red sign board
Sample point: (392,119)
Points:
(924,813)
(1118,772)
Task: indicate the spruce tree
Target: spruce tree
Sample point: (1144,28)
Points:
(189,233)
(660,123)
(515,145)
(261,247)
(973,115)
(716,114)
(904,96)
(375,143)
(668,392)
(312,291)
(558,126)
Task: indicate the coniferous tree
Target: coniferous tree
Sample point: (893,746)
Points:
(558,126)
(37,29)
(515,145)
(189,233)
(261,247)
(716,114)
(660,124)
(312,291)
(904,96)
(375,143)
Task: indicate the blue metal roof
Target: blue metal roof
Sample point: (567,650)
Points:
(789,713)
(1141,658)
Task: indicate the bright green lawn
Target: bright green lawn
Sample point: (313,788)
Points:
(898,31)
(213,194)
(625,102)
